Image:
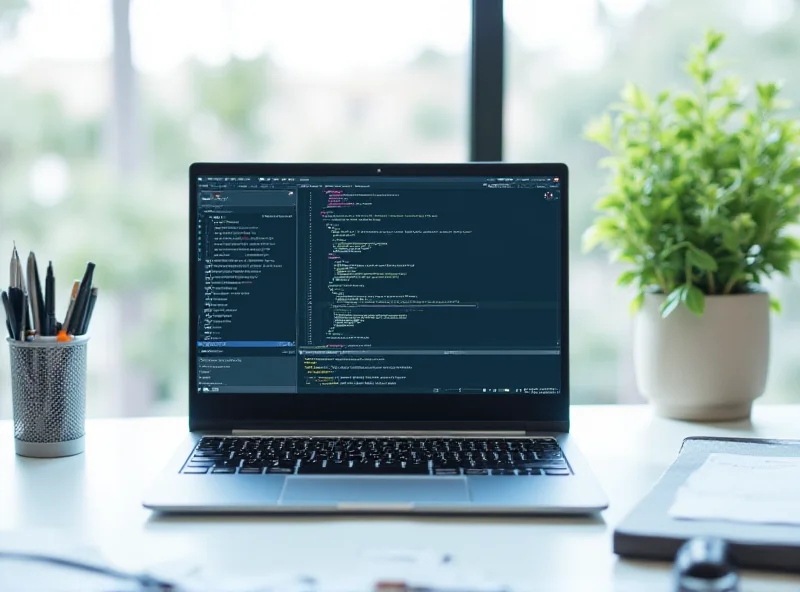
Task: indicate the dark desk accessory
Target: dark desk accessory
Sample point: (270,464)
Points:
(703,564)
(649,532)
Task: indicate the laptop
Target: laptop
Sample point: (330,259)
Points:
(378,338)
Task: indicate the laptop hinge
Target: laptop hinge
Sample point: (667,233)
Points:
(381,433)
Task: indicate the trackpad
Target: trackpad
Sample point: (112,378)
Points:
(367,491)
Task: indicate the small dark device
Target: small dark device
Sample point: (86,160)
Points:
(703,564)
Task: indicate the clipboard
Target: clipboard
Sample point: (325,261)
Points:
(649,532)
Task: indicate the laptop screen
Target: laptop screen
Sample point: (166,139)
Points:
(378,285)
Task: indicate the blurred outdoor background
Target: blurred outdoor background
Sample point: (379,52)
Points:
(104,103)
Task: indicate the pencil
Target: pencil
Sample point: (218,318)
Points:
(71,307)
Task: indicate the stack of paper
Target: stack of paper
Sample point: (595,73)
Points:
(742,488)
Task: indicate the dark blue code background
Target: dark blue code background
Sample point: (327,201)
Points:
(380,287)
(432,268)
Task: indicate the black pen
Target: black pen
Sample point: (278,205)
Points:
(15,303)
(35,293)
(84,292)
(49,327)
(12,318)
(89,310)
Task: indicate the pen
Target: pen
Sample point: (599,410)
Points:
(12,269)
(71,307)
(89,309)
(10,332)
(50,302)
(23,323)
(35,293)
(11,317)
(15,304)
(79,311)
(19,278)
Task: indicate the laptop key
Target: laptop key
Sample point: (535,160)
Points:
(225,470)
(312,467)
(285,467)
(556,472)
(195,470)
(337,468)
(543,464)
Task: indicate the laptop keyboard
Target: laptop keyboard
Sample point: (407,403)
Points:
(377,456)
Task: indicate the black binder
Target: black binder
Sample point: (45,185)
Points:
(649,532)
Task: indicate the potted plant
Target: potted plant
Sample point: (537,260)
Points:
(703,190)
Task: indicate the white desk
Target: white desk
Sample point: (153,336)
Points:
(96,497)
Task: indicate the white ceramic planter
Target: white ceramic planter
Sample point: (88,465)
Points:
(707,368)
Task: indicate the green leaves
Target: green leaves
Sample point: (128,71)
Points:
(636,303)
(700,259)
(672,301)
(691,295)
(599,131)
(767,92)
(699,65)
(713,39)
(626,278)
(604,230)
(635,97)
(695,300)
(704,185)
(685,105)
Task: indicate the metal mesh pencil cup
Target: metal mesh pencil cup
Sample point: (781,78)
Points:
(48,391)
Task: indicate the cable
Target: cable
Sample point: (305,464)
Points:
(146,583)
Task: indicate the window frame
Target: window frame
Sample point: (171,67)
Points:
(487,58)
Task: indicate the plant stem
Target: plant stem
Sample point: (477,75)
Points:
(729,286)
(688,272)
(662,282)
(712,288)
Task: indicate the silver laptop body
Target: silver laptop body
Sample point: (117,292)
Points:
(378,338)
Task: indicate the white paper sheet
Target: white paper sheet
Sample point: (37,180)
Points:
(742,488)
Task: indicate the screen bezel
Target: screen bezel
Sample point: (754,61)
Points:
(409,411)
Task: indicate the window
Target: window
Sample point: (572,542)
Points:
(104,104)
(566,62)
(103,108)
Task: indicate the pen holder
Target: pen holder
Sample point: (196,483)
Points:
(48,392)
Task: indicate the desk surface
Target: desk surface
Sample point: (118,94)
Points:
(96,497)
